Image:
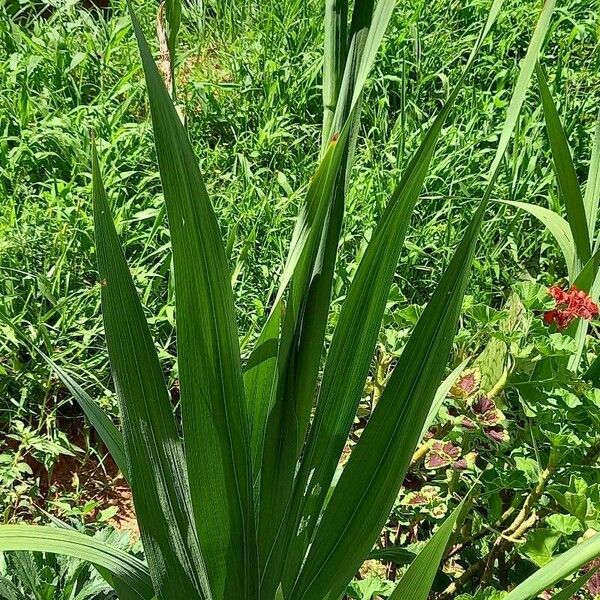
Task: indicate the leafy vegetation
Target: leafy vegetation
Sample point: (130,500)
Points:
(277,440)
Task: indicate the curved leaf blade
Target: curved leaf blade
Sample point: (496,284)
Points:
(36,538)
(565,172)
(153,447)
(215,418)
(557,569)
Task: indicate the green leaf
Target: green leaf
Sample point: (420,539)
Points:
(397,555)
(173,15)
(569,591)
(356,333)
(566,524)
(592,189)
(557,569)
(417,581)
(565,172)
(540,545)
(130,571)
(101,422)
(214,410)
(307,311)
(157,472)
(369,484)
(260,377)
(558,227)
(334,59)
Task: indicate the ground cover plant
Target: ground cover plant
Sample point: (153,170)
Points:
(274,463)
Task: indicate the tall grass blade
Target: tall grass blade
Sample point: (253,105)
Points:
(592,189)
(157,471)
(130,571)
(334,59)
(558,227)
(214,411)
(565,173)
(556,570)
(569,591)
(417,580)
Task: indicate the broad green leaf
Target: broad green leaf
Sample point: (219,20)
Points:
(157,473)
(214,410)
(127,568)
(558,227)
(369,484)
(565,173)
(557,569)
(417,580)
(540,545)
(100,421)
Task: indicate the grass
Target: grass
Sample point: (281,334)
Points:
(248,84)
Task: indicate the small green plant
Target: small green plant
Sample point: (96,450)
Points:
(238,499)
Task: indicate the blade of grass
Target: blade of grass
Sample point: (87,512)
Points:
(557,569)
(565,173)
(569,591)
(214,410)
(592,189)
(36,538)
(334,59)
(154,453)
(417,580)
(558,227)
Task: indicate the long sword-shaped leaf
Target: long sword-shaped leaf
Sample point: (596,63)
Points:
(154,452)
(215,419)
(128,569)
(334,59)
(356,333)
(123,590)
(306,316)
(558,227)
(592,189)
(173,15)
(260,377)
(569,591)
(565,172)
(417,580)
(557,569)
(100,421)
(369,484)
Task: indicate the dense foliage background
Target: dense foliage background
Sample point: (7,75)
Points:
(248,80)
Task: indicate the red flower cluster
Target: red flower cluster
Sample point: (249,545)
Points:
(570,305)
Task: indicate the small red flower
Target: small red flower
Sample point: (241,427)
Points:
(570,305)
